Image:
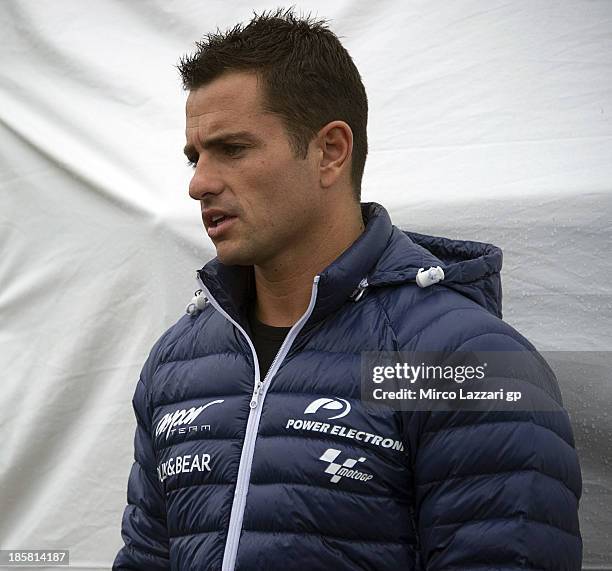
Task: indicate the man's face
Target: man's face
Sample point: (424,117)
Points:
(247,170)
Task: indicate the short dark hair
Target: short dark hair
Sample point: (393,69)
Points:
(308,77)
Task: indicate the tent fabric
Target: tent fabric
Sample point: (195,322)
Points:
(489,121)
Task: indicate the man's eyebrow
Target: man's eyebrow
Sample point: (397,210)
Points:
(222,139)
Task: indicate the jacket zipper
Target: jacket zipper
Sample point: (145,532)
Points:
(256,405)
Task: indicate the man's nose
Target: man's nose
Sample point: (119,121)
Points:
(206,179)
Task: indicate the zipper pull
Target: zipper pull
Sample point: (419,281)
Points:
(359,290)
(255,398)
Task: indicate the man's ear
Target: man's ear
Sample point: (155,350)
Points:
(335,142)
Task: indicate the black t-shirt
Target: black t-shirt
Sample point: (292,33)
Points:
(267,340)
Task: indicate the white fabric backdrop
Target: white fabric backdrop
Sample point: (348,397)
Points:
(489,120)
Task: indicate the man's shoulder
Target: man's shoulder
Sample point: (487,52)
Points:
(442,317)
(446,322)
(161,350)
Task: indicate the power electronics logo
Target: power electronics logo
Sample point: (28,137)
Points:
(181,420)
(329,404)
(344,470)
(338,408)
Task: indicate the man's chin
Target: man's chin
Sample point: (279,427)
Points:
(229,257)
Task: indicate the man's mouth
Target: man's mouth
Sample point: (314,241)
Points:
(217,220)
(218,224)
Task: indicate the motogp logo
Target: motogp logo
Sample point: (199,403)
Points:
(346,469)
(329,404)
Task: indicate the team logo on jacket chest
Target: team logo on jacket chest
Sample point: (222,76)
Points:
(326,407)
(181,420)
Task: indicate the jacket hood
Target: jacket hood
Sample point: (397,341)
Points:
(383,255)
(469,267)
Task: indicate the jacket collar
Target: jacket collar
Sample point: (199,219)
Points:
(233,287)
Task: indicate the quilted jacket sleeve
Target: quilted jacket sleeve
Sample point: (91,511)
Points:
(498,490)
(143,528)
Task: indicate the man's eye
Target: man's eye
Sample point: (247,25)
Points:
(227,149)
(232,150)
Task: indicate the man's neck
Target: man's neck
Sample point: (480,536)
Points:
(284,285)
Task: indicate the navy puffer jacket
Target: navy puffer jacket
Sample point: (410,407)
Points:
(296,473)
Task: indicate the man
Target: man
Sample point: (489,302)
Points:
(253,448)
